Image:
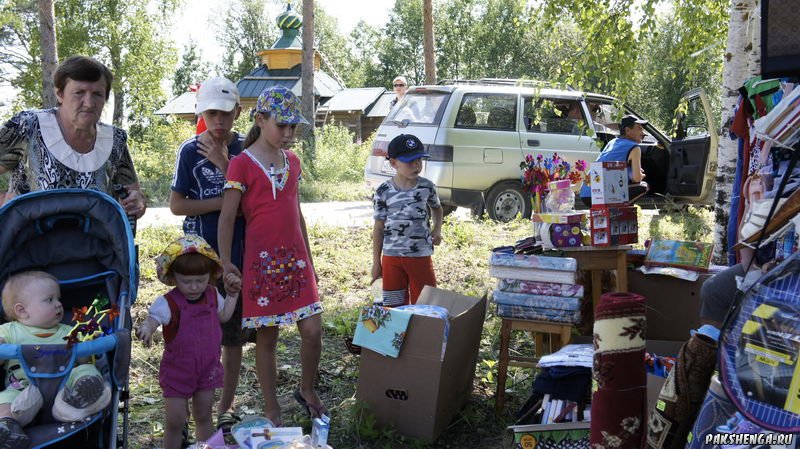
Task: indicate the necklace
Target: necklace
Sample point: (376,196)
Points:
(80,150)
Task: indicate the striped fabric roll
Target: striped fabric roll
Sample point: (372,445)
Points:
(619,403)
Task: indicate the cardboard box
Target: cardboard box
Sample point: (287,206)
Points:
(654,383)
(419,392)
(561,218)
(613,225)
(673,305)
(572,435)
(609,183)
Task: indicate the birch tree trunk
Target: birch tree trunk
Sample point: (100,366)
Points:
(428,42)
(47,33)
(742,61)
(308,100)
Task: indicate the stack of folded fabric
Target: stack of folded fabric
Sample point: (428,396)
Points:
(536,287)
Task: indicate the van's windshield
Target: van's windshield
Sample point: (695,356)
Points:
(419,108)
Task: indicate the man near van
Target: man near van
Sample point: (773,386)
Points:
(400,86)
(625,148)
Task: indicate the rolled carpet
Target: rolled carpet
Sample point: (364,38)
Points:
(619,405)
(680,398)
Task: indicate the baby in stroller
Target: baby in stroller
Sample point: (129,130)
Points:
(31,301)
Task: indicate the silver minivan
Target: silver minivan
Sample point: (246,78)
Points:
(478,133)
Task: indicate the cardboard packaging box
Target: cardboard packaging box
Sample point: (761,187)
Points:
(609,183)
(419,392)
(673,305)
(572,435)
(613,225)
(560,218)
(654,383)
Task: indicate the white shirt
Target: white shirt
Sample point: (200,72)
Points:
(160,312)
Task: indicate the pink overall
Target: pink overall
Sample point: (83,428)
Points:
(191,360)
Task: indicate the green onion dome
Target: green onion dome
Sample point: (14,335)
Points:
(290,20)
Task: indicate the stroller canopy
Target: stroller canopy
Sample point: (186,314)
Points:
(70,233)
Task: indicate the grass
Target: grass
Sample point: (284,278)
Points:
(343,258)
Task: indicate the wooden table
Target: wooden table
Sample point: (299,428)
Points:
(596,259)
(559,334)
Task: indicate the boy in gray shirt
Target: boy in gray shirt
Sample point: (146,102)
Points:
(402,237)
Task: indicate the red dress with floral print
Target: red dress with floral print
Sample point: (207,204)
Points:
(278,285)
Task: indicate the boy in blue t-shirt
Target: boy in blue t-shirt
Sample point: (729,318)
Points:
(200,170)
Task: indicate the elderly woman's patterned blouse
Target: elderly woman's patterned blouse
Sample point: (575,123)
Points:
(34,150)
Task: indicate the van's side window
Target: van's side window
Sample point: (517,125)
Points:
(552,115)
(487,111)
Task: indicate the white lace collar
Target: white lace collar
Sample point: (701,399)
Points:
(60,149)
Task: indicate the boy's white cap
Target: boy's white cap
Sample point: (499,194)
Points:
(217,93)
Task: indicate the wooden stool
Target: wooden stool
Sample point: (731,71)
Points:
(559,336)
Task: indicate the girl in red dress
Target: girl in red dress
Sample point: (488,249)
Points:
(279,285)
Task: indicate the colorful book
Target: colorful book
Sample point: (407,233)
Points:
(531,313)
(540,288)
(538,301)
(676,253)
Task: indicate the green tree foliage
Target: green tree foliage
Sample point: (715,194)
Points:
(400,51)
(20,51)
(191,70)
(154,152)
(362,69)
(247,27)
(329,41)
(665,70)
(124,35)
(606,62)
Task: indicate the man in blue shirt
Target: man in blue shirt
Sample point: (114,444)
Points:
(200,170)
(625,148)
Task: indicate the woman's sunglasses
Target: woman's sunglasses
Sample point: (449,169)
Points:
(399,85)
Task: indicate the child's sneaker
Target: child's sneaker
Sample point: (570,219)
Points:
(12,436)
(84,392)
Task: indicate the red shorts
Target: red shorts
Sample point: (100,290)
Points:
(404,277)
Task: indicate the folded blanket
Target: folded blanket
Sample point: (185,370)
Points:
(619,404)
(538,314)
(431,311)
(500,259)
(540,288)
(382,329)
(537,301)
(569,355)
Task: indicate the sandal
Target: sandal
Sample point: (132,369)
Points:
(226,420)
(314,411)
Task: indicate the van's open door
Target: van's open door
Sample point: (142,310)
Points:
(693,152)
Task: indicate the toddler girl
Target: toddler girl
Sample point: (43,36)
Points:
(191,314)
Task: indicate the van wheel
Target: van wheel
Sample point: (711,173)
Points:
(447,209)
(506,200)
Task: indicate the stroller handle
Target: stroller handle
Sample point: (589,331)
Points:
(84,349)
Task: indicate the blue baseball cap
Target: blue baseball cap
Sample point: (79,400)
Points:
(407,148)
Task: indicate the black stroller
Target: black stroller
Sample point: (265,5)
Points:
(84,239)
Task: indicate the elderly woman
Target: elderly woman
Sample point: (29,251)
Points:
(67,146)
